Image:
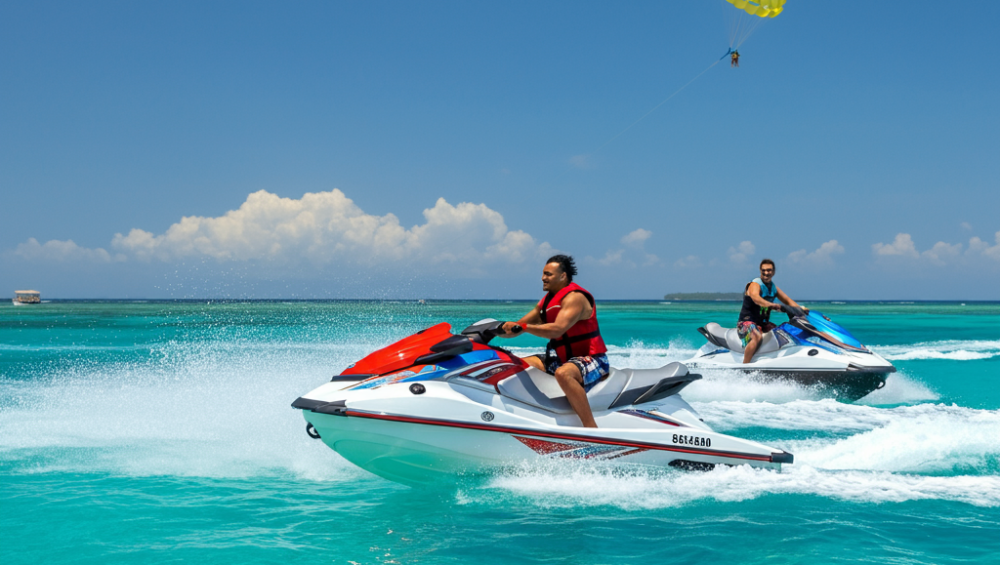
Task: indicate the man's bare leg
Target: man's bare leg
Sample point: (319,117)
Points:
(535,362)
(751,347)
(571,382)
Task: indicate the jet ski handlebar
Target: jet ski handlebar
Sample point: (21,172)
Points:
(793,312)
(484,331)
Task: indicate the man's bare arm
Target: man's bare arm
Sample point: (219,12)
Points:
(532,317)
(787,300)
(573,306)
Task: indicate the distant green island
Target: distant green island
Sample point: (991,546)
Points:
(704,296)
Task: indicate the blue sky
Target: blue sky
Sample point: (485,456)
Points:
(448,147)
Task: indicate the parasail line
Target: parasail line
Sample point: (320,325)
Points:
(665,100)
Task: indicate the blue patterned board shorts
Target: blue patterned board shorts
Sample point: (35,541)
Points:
(745,329)
(592,367)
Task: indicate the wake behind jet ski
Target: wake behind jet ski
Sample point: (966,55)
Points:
(809,349)
(435,405)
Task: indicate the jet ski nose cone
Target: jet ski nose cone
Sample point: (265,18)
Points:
(782,457)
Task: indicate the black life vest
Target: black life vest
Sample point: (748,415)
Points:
(751,312)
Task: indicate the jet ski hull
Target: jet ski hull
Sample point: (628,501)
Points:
(843,385)
(841,375)
(396,451)
(419,450)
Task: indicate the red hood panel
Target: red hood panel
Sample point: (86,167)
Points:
(401,354)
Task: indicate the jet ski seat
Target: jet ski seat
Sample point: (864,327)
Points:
(622,387)
(730,339)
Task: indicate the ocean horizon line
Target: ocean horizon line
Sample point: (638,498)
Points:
(504,300)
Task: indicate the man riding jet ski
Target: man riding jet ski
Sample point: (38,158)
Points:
(567,315)
(809,349)
(435,405)
(760,296)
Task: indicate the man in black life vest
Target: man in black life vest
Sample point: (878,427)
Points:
(567,316)
(759,298)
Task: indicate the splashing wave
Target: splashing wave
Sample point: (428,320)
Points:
(951,350)
(647,489)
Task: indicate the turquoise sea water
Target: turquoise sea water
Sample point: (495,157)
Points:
(158,432)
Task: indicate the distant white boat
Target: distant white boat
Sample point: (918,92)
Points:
(25,297)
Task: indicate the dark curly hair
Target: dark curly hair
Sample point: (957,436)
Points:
(566,263)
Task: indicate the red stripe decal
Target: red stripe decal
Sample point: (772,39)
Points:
(572,437)
(546,447)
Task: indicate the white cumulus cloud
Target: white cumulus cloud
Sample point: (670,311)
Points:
(821,257)
(612,258)
(320,228)
(636,253)
(56,250)
(941,253)
(689,262)
(741,252)
(636,237)
(902,246)
(980,247)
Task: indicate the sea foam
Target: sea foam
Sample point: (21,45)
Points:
(580,485)
(922,452)
(829,415)
(951,350)
(192,410)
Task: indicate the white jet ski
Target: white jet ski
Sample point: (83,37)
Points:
(435,405)
(808,349)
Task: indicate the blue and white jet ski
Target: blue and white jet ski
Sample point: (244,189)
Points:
(808,349)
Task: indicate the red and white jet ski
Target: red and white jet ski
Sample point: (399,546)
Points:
(435,405)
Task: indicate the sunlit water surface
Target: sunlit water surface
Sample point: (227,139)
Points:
(155,432)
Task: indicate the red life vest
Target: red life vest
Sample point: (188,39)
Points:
(583,337)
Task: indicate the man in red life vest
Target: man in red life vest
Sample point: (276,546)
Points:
(567,316)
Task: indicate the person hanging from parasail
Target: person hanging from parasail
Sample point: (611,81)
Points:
(744,20)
